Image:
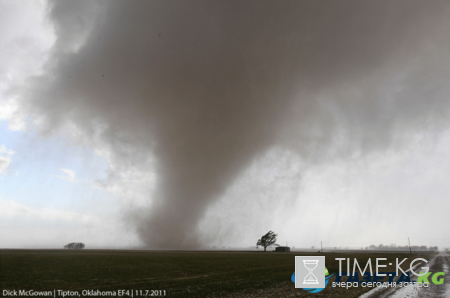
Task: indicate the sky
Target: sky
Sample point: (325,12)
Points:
(187,125)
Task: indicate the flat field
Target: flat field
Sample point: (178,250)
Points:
(178,273)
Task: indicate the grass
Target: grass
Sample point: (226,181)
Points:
(179,273)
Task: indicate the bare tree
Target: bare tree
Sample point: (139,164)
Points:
(268,239)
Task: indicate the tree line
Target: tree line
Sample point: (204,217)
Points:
(399,247)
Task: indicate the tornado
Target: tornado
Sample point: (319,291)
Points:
(196,90)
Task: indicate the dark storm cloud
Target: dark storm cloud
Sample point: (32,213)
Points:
(206,86)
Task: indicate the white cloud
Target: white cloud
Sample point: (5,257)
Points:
(9,110)
(5,160)
(13,210)
(6,151)
(24,226)
(4,163)
(70,175)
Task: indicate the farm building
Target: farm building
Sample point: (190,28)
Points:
(283,249)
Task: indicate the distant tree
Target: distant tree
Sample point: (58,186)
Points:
(74,245)
(268,239)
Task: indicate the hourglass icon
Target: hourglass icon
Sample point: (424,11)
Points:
(310,278)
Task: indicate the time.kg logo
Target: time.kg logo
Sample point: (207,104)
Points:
(310,274)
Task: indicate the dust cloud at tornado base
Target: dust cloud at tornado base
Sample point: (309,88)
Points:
(196,91)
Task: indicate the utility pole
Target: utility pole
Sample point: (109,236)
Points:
(320,246)
(409,247)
